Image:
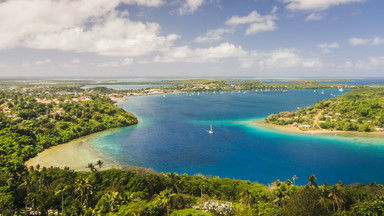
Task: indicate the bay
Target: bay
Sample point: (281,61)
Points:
(172,136)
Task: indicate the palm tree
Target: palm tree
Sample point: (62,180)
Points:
(324,195)
(246,198)
(100,163)
(85,190)
(27,185)
(201,186)
(312,180)
(288,182)
(277,183)
(165,198)
(91,167)
(294,178)
(337,194)
(174,180)
(62,191)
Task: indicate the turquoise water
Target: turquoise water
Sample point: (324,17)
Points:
(172,136)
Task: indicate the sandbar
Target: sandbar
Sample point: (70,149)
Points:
(260,123)
(76,155)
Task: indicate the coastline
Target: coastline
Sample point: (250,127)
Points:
(294,130)
(76,154)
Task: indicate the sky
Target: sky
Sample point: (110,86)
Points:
(191,38)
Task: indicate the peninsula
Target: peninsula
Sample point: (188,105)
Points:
(359,110)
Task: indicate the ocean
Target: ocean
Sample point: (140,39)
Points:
(172,136)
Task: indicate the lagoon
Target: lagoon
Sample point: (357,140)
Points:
(172,136)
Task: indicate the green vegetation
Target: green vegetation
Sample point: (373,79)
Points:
(28,125)
(358,110)
(135,191)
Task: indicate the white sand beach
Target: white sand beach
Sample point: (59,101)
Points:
(76,154)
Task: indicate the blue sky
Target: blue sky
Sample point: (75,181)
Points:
(192,38)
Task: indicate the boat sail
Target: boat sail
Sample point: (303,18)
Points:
(210,130)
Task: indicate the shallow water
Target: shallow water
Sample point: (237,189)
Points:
(172,136)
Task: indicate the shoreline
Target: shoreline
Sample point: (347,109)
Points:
(76,155)
(295,130)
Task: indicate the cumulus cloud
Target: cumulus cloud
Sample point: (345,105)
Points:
(333,45)
(366,41)
(377,41)
(314,16)
(328,46)
(201,55)
(316,5)
(213,35)
(372,63)
(256,22)
(148,3)
(81,26)
(281,58)
(190,6)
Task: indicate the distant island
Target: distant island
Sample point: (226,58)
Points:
(359,110)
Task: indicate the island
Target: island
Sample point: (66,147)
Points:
(359,110)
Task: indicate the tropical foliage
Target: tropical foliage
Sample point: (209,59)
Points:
(358,110)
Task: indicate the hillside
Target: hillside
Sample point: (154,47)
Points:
(358,110)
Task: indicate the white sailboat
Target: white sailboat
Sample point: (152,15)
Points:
(210,130)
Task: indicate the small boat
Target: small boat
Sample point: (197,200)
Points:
(322,92)
(211,130)
(341,89)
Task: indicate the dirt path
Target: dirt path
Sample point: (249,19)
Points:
(316,118)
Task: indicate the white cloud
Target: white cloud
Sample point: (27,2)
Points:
(213,35)
(43,62)
(314,16)
(190,6)
(268,25)
(377,41)
(201,55)
(316,5)
(358,41)
(372,63)
(81,26)
(366,41)
(328,46)
(333,45)
(118,63)
(282,58)
(148,3)
(258,23)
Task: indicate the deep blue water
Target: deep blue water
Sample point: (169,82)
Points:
(172,137)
